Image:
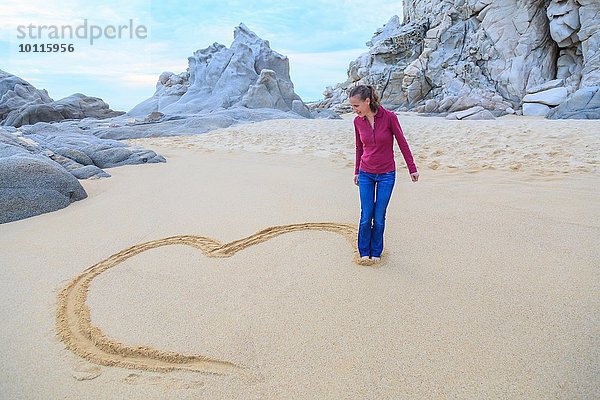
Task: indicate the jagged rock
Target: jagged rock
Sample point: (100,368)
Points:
(74,154)
(79,106)
(16,93)
(535,109)
(324,113)
(31,114)
(114,157)
(22,104)
(550,97)
(13,144)
(89,172)
(481,115)
(589,35)
(31,185)
(131,128)
(169,88)
(72,148)
(546,86)
(265,93)
(473,113)
(335,100)
(388,31)
(248,74)
(301,109)
(154,116)
(431,105)
(448,56)
(465,113)
(104,153)
(564,22)
(574,26)
(584,104)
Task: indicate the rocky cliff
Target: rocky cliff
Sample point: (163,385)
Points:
(537,57)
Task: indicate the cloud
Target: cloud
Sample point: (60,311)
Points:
(312,72)
(143,81)
(327,60)
(320,38)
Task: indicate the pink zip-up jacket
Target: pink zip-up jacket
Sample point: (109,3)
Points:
(375,146)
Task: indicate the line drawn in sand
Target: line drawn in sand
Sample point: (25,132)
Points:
(73,321)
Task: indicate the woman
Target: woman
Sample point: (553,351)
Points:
(375,169)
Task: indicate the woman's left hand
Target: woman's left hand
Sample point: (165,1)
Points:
(414,176)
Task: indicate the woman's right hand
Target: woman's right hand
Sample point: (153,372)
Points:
(356,180)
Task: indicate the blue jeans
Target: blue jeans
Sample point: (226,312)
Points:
(375,192)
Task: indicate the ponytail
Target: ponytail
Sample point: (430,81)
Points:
(367,92)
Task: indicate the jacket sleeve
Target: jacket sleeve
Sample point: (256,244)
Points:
(397,130)
(359,149)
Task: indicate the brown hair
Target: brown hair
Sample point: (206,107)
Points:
(366,92)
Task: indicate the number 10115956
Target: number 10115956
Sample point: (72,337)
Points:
(46,48)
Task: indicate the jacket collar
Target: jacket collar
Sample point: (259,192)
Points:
(379,113)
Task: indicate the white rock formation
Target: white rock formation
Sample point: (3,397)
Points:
(539,99)
(583,104)
(473,113)
(550,97)
(575,26)
(16,93)
(448,56)
(535,109)
(248,74)
(546,86)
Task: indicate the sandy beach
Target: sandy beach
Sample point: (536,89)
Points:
(230,270)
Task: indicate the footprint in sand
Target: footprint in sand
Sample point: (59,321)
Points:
(435,164)
(84,371)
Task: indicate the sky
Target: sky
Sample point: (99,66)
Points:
(319,37)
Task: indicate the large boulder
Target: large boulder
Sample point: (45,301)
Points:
(247,74)
(535,109)
(584,104)
(473,113)
(550,97)
(79,106)
(32,185)
(31,114)
(265,93)
(16,94)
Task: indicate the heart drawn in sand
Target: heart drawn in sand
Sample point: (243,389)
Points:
(73,320)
